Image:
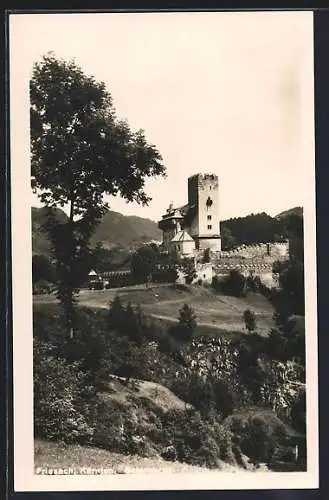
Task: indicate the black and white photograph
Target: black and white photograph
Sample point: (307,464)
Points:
(164,250)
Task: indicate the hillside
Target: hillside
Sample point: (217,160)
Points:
(142,401)
(217,315)
(125,230)
(40,243)
(292,211)
(114,230)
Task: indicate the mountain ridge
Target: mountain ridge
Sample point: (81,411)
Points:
(114,230)
(117,230)
(290,211)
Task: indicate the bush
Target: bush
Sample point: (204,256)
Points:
(250,320)
(189,270)
(206,256)
(62,398)
(234,284)
(167,275)
(257,435)
(115,428)
(207,396)
(42,287)
(43,270)
(187,438)
(184,331)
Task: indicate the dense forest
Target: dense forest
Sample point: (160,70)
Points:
(260,228)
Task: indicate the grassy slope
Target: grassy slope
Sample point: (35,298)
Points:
(155,393)
(215,313)
(61,455)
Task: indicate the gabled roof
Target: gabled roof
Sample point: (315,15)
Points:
(92,273)
(182,236)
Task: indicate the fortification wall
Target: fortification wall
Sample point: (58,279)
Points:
(274,251)
(263,253)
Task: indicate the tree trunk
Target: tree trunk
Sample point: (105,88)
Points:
(69,285)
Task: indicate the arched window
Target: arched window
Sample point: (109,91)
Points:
(209,202)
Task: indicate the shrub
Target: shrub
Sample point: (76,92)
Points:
(188,438)
(184,331)
(62,398)
(116,315)
(114,427)
(257,435)
(189,270)
(206,256)
(205,395)
(42,287)
(249,318)
(234,284)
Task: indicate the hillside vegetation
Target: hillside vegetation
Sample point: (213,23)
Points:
(131,387)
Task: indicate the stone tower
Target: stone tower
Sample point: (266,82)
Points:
(203,200)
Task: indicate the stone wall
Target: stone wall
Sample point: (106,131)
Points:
(273,251)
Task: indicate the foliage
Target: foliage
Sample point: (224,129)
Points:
(143,262)
(206,256)
(290,298)
(42,287)
(60,394)
(116,315)
(217,377)
(79,152)
(190,439)
(187,317)
(189,270)
(253,283)
(166,274)
(256,435)
(113,259)
(227,239)
(294,333)
(258,228)
(288,342)
(249,318)
(42,269)
(234,284)
(210,379)
(184,331)
(298,412)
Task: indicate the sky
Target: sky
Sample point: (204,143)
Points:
(223,93)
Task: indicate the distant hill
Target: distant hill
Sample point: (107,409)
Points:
(40,243)
(114,230)
(291,211)
(125,230)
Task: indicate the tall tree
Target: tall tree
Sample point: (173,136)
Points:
(80,152)
(143,262)
(249,318)
(187,324)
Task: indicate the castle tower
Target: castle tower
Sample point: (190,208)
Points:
(203,200)
(170,224)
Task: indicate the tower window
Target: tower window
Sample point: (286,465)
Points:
(209,217)
(209,202)
(209,226)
